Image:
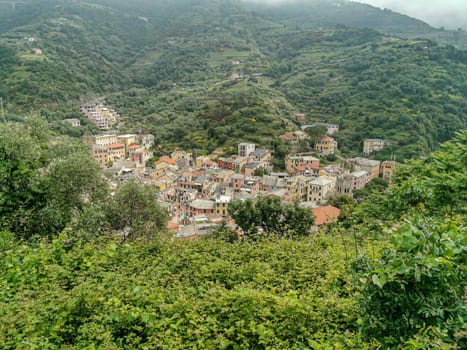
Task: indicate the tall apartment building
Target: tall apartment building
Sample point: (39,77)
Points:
(103,117)
(320,189)
(245,149)
(100,140)
(127,140)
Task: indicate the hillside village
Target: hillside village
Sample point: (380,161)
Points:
(197,189)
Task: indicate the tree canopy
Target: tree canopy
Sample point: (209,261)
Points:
(268,216)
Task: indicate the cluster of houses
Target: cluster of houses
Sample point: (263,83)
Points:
(112,150)
(324,146)
(104,117)
(197,191)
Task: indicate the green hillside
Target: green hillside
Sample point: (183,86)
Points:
(169,68)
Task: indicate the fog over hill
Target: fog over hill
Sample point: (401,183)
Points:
(451,14)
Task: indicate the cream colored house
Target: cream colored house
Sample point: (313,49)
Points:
(320,189)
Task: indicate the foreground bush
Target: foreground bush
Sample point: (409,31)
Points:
(208,294)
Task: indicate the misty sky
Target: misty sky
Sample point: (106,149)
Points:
(450,14)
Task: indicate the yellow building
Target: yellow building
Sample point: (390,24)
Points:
(164,163)
(163,183)
(116,151)
(221,206)
(127,140)
(387,170)
(100,140)
(292,162)
(298,188)
(326,146)
(177,155)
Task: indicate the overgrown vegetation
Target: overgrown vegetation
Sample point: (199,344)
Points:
(50,183)
(392,275)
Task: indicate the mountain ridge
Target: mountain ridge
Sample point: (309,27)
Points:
(169,69)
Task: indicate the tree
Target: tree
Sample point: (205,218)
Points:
(272,216)
(71,182)
(20,157)
(418,284)
(224,233)
(135,212)
(316,133)
(46,181)
(376,185)
(260,172)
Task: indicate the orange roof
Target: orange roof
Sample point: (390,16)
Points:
(165,160)
(300,168)
(115,146)
(287,137)
(325,215)
(134,146)
(313,166)
(327,138)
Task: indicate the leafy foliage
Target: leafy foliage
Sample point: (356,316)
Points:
(272,216)
(49,183)
(134,211)
(403,290)
(413,284)
(418,283)
(46,181)
(206,294)
(434,186)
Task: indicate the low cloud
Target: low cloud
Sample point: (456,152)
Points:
(450,14)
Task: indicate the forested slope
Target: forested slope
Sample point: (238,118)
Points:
(203,74)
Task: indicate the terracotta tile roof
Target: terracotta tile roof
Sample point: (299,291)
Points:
(165,160)
(327,138)
(288,137)
(325,215)
(300,168)
(134,146)
(115,146)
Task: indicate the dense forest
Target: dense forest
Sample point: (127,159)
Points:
(206,74)
(82,269)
